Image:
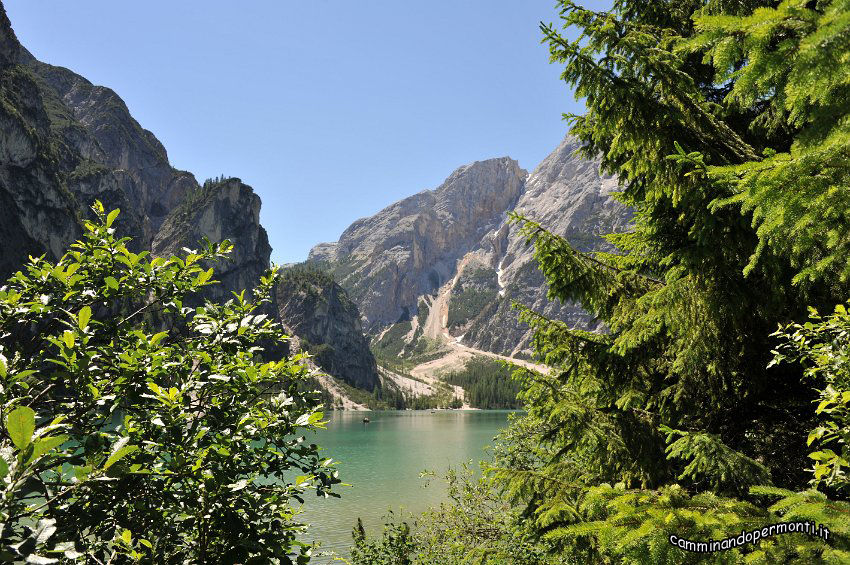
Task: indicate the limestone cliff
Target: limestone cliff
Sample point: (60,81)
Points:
(317,310)
(568,196)
(449,261)
(227,209)
(37,211)
(412,247)
(65,142)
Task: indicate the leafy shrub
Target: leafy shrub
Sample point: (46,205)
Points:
(136,428)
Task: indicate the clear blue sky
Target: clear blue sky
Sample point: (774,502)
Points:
(330,110)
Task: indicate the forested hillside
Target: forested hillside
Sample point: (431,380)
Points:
(693,419)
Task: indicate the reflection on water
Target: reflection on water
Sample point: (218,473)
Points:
(382,460)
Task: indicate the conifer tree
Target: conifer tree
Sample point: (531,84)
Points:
(728,125)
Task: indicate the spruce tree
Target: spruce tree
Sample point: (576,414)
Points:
(728,125)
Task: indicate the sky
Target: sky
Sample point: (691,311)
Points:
(331,110)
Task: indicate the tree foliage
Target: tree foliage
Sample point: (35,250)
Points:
(137,428)
(487,384)
(727,125)
(477,527)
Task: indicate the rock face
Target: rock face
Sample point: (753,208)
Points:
(317,310)
(458,235)
(226,209)
(37,211)
(412,247)
(65,142)
(567,195)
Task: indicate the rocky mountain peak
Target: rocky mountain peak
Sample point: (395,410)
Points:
(418,250)
(411,248)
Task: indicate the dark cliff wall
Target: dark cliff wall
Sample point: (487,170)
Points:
(318,310)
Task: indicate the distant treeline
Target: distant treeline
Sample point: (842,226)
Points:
(217,180)
(487,383)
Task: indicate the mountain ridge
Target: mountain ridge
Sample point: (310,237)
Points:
(445,260)
(65,142)
(380,260)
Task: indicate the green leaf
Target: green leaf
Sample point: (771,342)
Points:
(46,528)
(127,536)
(119,452)
(84,317)
(111,282)
(111,217)
(40,560)
(4,468)
(80,473)
(20,423)
(69,338)
(157,337)
(205,276)
(238,485)
(45,444)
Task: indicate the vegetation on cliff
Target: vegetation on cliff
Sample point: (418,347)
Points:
(313,307)
(474,291)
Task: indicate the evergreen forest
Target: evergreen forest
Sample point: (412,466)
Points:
(487,383)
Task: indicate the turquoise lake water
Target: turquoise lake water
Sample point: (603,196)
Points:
(382,461)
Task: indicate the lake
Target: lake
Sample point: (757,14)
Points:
(382,460)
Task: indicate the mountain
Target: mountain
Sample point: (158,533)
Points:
(320,312)
(429,277)
(442,268)
(409,249)
(65,143)
(567,195)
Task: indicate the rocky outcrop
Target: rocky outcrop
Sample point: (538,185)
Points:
(37,212)
(412,247)
(567,195)
(317,310)
(65,143)
(105,154)
(394,261)
(226,209)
